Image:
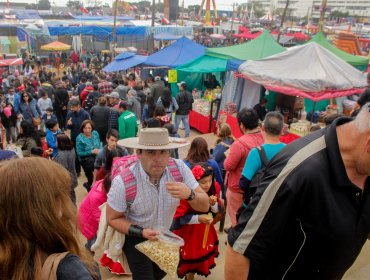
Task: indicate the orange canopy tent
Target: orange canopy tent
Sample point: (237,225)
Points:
(55,46)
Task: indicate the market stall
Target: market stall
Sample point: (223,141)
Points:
(329,77)
(124,61)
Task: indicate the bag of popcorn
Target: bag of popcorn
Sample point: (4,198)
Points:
(165,252)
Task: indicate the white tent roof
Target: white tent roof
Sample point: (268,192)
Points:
(309,71)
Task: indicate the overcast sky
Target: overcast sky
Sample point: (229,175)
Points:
(227,3)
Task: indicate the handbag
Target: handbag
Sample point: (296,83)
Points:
(36,121)
(50,266)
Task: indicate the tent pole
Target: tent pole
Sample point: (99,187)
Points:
(313,111)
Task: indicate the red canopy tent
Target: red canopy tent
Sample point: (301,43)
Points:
(11,62)
(298,36)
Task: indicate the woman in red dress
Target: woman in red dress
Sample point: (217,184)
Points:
(197,229)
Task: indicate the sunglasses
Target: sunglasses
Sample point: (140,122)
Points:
(25,95)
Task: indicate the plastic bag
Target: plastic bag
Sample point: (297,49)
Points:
(165,252)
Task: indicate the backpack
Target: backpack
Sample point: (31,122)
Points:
(90,101)
(257,178)
(121,167)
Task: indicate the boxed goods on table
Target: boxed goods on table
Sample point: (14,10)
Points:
(230,108)
(201,106)
(300,128)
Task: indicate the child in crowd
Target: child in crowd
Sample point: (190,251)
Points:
(49,115)
(223,143)
(9,121)
(46,151)
(37,152)
(52,130)
(197,229)
(172,133)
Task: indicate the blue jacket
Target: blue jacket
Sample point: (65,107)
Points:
(26,110)
(51,139)
(219,152)
(17,101)
(77,119)
(53,117)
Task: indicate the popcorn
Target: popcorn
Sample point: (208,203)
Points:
(165,255)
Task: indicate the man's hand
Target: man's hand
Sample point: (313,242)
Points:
(204,219)
(95,151)
(69,122)
(178,190)
(150,234)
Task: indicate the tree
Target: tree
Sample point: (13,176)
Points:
(94,3)
(339,14)
(257,8)
(43,5)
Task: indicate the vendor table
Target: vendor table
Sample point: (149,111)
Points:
(201,122)
(233,122)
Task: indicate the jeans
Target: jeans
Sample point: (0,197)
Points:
(185,121)
(10,134)
(141,266)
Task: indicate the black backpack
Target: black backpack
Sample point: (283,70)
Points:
(257,178)
(91,100)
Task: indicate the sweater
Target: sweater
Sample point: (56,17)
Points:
(89,212)
(66,158)
(235,161)
(85,145)
(44,104)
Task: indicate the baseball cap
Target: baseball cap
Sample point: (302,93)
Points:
(181,83)
(157,78)
(114,94)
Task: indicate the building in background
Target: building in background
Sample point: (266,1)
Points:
(308,8)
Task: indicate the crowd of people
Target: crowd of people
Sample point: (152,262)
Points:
(286,202)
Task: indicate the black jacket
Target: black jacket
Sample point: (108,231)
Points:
(185,101)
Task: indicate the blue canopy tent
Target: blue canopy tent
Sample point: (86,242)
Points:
(101,32)
(124,61)
(233,64)
(179,53)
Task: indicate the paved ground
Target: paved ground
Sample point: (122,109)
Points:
(359,271)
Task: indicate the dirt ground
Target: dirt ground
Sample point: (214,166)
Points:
(359,271)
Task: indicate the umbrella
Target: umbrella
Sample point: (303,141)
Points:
(55,46)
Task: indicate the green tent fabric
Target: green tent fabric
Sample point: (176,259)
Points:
(204,64)
(261,47)
(359,62)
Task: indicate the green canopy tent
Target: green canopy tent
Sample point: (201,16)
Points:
(359,62)
(261,47)
(215,59)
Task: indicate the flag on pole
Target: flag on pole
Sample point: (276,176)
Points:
(83,9)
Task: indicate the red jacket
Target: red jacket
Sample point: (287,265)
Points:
(235,160)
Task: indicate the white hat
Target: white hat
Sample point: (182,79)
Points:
(153,138)
(157,78)
(181,83)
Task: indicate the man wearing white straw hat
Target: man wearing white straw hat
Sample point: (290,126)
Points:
(157,193)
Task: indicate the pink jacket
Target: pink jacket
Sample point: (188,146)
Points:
(235,160)
(89,212)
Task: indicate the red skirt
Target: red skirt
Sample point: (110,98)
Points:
(193,257)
